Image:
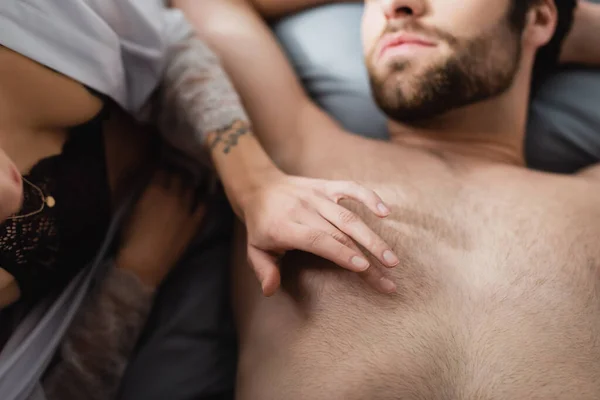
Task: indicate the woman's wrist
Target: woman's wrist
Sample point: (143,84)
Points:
(243,168)
(244,185)
(252,182)
(151,273)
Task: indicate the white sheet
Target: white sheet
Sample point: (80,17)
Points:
(113,46)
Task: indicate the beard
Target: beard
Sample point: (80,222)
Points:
(478,69)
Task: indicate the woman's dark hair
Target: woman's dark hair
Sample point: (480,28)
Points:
(547,57)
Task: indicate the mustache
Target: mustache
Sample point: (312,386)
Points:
(417,28)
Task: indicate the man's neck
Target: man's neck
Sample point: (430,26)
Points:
(487,132)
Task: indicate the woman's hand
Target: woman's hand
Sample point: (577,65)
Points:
(9,290)
(288,213)
(162,225)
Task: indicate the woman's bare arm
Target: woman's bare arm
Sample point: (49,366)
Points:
(200,113)
(288,124)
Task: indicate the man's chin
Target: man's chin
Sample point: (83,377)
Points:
(412,113)
(403,105)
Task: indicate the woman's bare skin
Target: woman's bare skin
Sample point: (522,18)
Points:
(38,108)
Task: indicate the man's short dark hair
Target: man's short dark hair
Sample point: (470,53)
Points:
(547,57)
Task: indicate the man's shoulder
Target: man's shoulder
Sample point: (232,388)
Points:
(573,191)
(585,179)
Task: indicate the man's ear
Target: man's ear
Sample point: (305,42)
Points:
(541,22)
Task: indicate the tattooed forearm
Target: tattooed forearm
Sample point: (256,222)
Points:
(198,107)
(228,136)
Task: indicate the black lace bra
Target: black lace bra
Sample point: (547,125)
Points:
(64,217)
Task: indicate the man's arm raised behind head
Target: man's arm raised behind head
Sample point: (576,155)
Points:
(279,8)
(274,99)
(582,45)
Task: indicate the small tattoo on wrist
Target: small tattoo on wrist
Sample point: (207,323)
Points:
(229,135)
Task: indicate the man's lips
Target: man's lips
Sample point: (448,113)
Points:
(398,40)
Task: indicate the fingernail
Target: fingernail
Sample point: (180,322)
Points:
(360,263)
(388,286)
(383,209)
(390,258)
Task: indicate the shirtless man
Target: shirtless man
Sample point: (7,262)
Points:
(498,292)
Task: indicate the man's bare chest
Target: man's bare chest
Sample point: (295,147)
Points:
(499,278)
(492,282)
(490,230)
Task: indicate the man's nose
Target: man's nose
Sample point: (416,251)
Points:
(394,9)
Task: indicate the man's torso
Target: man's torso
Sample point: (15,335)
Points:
(498,291)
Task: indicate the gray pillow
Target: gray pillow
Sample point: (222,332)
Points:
(324,46)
